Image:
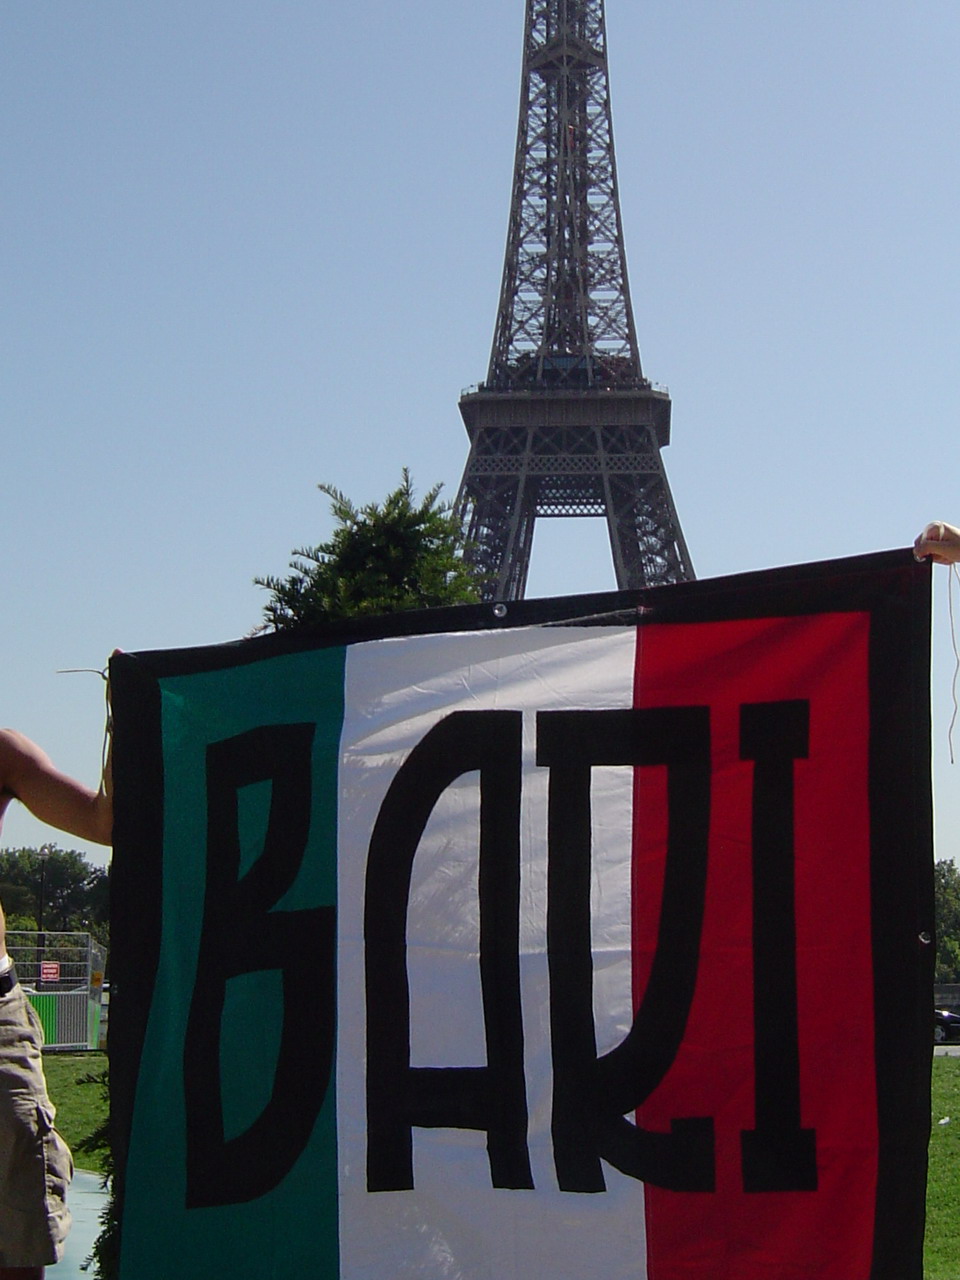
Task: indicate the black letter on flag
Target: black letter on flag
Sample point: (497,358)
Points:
(777,1155)
(490,1098)
(591,1098)
(242,935)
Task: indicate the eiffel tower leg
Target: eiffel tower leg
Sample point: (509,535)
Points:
(512,579)
(499,512)
(647,544)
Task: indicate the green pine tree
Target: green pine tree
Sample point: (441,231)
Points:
(381,558)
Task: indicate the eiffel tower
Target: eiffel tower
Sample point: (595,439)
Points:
(566,424)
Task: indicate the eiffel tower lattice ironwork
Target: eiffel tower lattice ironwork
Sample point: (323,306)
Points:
(566,424)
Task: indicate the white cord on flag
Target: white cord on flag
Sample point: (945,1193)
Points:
(953,578)
(108,722)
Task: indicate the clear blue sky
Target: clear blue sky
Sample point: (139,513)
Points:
(249,247)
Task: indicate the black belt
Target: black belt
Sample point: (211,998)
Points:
(8,980)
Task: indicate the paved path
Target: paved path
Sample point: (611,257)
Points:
(86,1201)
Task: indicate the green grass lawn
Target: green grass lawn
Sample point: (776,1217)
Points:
(81,1107)
(941,1256)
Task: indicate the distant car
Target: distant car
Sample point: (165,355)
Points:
(946,1026)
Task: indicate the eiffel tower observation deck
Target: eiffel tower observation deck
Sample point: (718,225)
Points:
(566,424)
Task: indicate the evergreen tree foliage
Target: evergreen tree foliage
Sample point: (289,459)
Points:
(381,558)
(105,1255)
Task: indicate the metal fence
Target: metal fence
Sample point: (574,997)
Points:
(62,973)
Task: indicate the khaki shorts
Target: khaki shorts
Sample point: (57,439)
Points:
(35,1162)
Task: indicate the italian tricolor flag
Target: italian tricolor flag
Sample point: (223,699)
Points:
(585,941)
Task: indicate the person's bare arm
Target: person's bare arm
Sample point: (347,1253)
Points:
(939,541)
(29,775)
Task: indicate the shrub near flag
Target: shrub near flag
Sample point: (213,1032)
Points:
(588,940)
